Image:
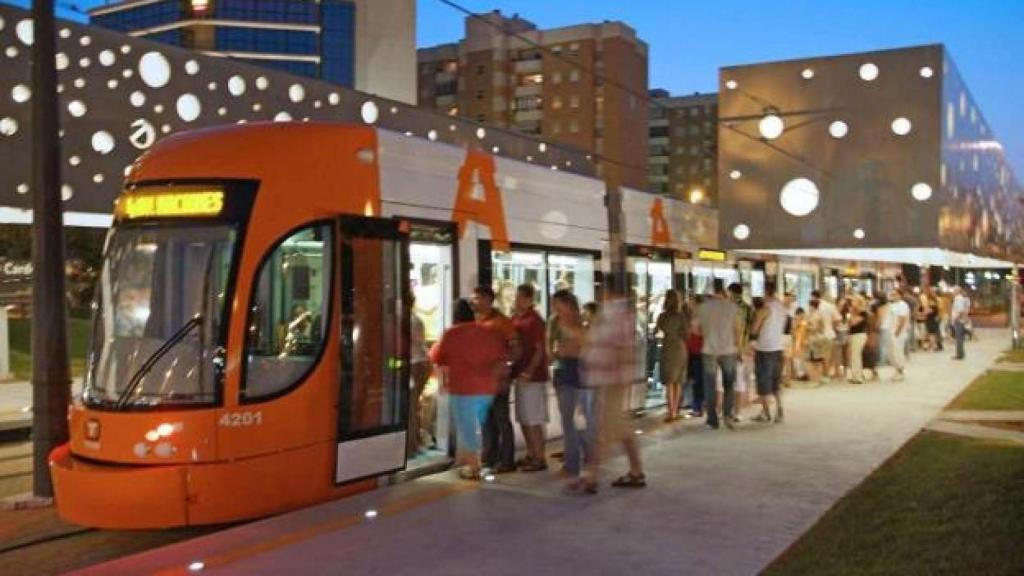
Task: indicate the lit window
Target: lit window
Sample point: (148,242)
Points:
(556,103)
(574,101)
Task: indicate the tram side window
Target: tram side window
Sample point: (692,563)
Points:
(288,314)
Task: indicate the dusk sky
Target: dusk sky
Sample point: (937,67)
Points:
(689,41)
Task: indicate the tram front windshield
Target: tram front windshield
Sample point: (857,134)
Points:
(157,336)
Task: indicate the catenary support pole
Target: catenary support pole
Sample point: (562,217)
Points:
(51,385)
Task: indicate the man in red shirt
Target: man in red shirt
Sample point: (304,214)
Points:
(530,375)
(499,452)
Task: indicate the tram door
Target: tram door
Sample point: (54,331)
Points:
(373,406)
(432,281)
(650,280)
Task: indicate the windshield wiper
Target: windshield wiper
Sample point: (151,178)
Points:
(155,357)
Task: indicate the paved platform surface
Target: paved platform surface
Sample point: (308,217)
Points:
(16,403)
(719,502)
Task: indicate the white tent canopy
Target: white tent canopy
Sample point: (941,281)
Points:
(918,256)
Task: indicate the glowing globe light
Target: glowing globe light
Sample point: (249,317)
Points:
(799,196)
(102,142)
(154,69)
(369,112)
(236,86)
(735,174)
(858,233)
(188,107)
(77,108)
(741,232)
(296,93)
(927,72)
(807,73)
(21,93)
(771,127)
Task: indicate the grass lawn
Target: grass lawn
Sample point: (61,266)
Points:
(1013,356)
(942,505)
(993,391)
(21,344)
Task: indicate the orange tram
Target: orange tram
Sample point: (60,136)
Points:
(249,347)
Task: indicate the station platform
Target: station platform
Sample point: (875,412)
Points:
(718,502)
(16,404)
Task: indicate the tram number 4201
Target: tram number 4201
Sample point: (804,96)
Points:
(233,419)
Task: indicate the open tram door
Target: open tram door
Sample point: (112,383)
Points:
(374,399)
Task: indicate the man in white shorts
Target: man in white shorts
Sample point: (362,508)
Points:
(531,377)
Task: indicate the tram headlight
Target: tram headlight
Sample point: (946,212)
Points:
(165,429)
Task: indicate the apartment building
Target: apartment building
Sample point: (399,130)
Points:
(683,147)
(580,85)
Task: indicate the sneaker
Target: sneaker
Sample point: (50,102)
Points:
(763,417)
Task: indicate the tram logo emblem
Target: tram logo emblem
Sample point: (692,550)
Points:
(479,199)
(661,235)
(92,430)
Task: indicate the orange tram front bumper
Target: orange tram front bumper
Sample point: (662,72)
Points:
(118,496)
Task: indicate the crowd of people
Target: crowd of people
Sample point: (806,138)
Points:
(719,354)
(486,357)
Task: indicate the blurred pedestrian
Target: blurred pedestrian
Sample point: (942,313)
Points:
(898,322)
(530,374)
(857,320)
(610,362)
(695,371)
(960,314)
(473,359)
(419,370)
(499,451)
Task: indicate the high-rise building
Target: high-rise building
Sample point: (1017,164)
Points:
(683,147)
(368,45)
(581,85)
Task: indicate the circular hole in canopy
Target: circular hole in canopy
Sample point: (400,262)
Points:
(735,174)
(741,232)
(838,129)
(868,71)
(927,72)
(858,233)
(481,133)
(236,86)
(25,31)
(8,126)
(771,127)
(21,93)
(137,99)
(369,112)
(296,93)
(901,126)
(807,73)
(102,142)
(262,83)
(799,196)
(107,58)
(154,69)
(188,107)
(77,108)
(191,67)
(921,191)
(282,117)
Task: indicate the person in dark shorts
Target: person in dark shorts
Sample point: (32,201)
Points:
(768,333)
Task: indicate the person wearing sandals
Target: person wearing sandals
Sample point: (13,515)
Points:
(530,375)
(674,325)
(473,358)
(566,348)
(610,365)
(768,334)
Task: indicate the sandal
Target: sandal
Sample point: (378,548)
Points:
(630,481)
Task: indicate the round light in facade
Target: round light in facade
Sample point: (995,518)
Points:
(79,83)
(112,83)
(25,32)
(107,58)
(154,69)
(77,108)
(97,178)
(66,192)
(125,49)
(188,107)
(481,133)
(21,93)
(926,72)
(741,232)
(84,62)
(138,99)
(222,111)
(262,83)
(799,196)
(296,93)
(102,142)
(771,127)
(236,86)
(868,72)
(901,126)
(369,112)
(8,126)
(85,40)
(12,51)
(333,99)
(75,160)
(282,117)
(921,191)
(838,129)
(858,233)
(22,188)
(61,60)
(732,85)
(807,73)
(735,175)
(191,67)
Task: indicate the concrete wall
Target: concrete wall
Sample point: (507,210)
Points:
(386,48)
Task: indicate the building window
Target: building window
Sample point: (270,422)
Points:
(480,94)
(694,111)
(557,48)
(574,75)
(694,130)
(556,127)
(574,126)
(574,101)
(693,169)
(480,69)
(574,49)
(556,77)
(533,80)
(556,103)
(694,150)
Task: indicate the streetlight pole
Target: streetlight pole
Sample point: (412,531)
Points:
(51,382)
